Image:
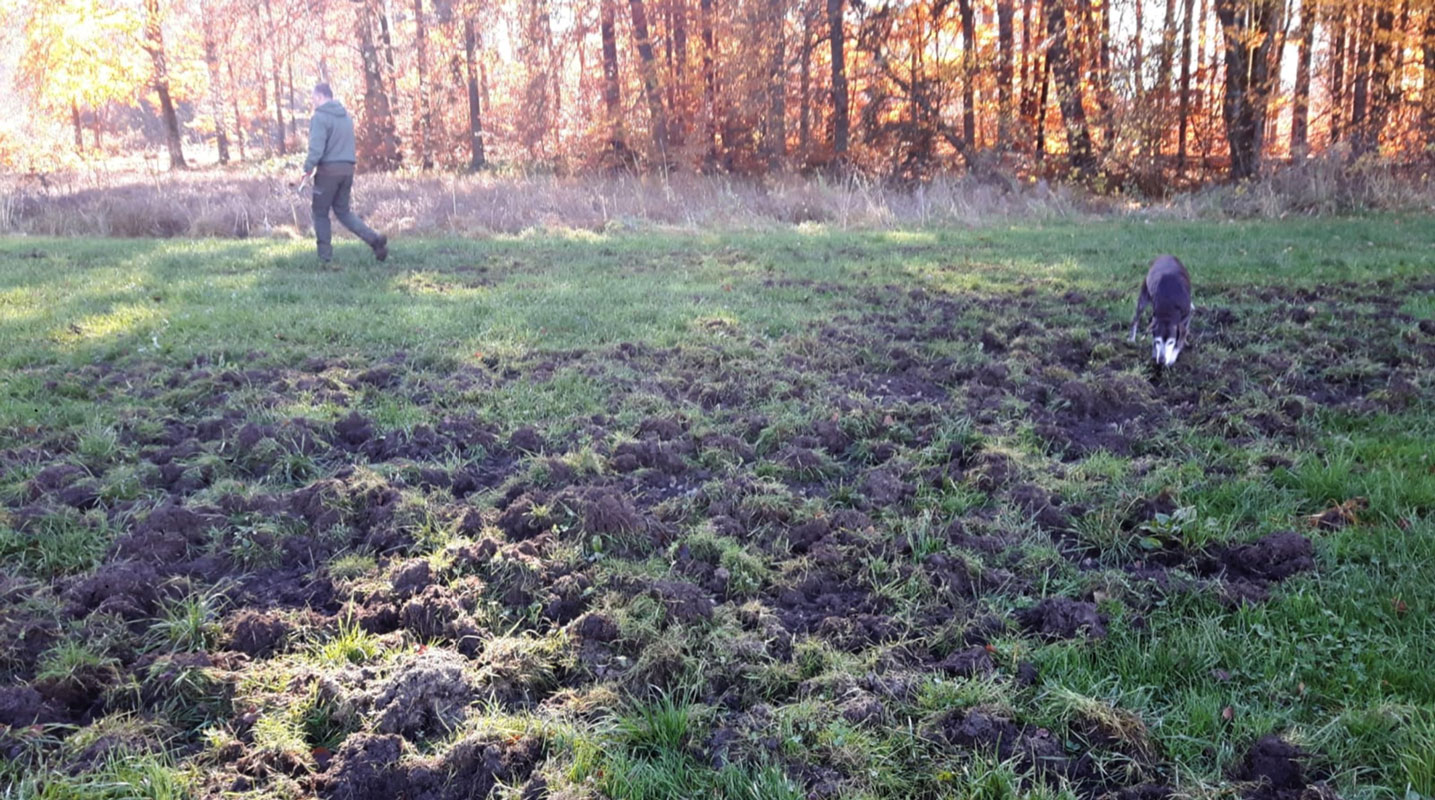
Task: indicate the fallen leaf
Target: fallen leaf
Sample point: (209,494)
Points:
(887,421)
(1399,605)
(1228,713)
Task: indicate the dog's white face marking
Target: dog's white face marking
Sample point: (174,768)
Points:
(1165,351)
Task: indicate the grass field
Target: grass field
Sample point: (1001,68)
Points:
(792,514)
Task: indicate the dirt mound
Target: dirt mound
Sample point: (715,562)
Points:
(1274,557)
(1042,507)
(609,512)
(823,602)
(356,499)
(168,535)
(353,431)
(411,577)
(473,767)
(863,708)
(127,589)
(526,440)
(436,614)
(1037,749)
(258,634)
(1063,618)
(665,429)
(428,696)
(665,456)
(830,435)
(54,478)
(968,663)
(567,598)
(595,627)
(884,487)
(366,767)
(22,706)
(527,516)
(685,602)
(1079,417)
(1276,770)
(372,767)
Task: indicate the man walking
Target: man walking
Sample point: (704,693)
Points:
(331,159)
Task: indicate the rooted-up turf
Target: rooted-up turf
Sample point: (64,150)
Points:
(808,514)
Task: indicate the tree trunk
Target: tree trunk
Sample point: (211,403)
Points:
(1005,41)
(79,131)
(804,117)
(969,72)
(476,160)
(1382,93)
(612,90)
(1338,36)
(1168,51)
(1041,107)
(1068,88)
(289,98)
(1209,51)
(650,80)
(263,102)
(274,73)
(709,81)
(154,43)
(1028,64)
(1427,94)
(423,119)
(840,122)
(670,58)
(1185,98)
(1360,99)
(216,101)
(390,68)
(1138,66)
(1249,28)
(238,116)
(1104,94)
(775,138)
(1300,106)
(679,104)
(377,140)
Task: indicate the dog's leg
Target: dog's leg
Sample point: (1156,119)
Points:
(1143,300)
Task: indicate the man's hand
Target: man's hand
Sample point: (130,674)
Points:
(300,182)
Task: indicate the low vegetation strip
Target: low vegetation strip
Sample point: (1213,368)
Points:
(799,514)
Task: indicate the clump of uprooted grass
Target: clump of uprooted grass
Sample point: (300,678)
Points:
(234,203)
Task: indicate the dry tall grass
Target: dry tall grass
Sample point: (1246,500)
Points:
(234,204)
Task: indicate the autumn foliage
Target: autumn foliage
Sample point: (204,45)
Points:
(1147,94)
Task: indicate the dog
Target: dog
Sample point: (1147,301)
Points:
(1167,289)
